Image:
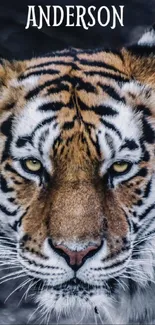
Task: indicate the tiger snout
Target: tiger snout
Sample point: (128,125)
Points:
(76,224)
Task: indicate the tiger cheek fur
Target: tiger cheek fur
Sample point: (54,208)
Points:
(77,179)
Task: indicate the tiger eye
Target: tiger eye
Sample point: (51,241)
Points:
(33,165)
(120,167)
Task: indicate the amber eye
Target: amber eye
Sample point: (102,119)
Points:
(120,167)
(33,165)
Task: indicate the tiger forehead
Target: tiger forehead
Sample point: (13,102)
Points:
(75,83)
(89,76)
(66,99)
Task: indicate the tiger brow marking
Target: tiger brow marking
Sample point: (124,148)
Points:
(100,110)
(112,127)
(23,140)
(34,92)
(130,144)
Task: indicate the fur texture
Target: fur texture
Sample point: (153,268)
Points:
(78,113)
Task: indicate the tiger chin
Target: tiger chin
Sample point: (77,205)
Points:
(77,181)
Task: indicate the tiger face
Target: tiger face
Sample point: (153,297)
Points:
(77,178)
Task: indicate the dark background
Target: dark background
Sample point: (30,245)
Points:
(18,43)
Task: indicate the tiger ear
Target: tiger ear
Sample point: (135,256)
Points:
(140,58)
(148,38)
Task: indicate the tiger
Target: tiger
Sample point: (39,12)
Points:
(77,180)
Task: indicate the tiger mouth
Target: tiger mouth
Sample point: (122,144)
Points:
(74,285)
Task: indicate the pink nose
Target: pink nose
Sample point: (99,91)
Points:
(76,257)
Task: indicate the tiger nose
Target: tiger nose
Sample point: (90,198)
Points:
(76,258)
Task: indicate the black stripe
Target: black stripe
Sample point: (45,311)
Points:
(144,109)
(52,106)
(111,92)
(141,231)
(100,110)
(69,125)
(115,77)
(141,173)
(6,129)
(46,64)
(99,64)
(135,227)
(105,110)
(10,105)
(148,131)
(12,170)
(111,127)
(56,90)
(146,155)
(23,140)
(7,126)
(6,151)
(147,211)
(95,143)
(148,189)
(80,84)
(38,73)
(99,50)
(110,143)
(18,222)
(6,211)
(35,91)
(115,264)
(42,140)
(4,186)
(11,199)
(130,144)
(40,125)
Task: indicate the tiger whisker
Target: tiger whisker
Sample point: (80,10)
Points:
(17,288)
(11,267)
(117,280)
(7,249)
(6,237)
(143,239)
(26,292)
(33,313)
(31,285)
(13,278)
(8,275)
